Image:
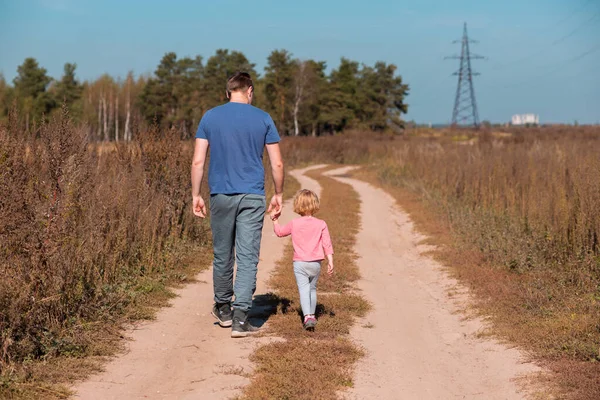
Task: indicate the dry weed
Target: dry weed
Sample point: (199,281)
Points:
(89,240)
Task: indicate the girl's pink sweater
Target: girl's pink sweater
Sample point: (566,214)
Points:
(310,238)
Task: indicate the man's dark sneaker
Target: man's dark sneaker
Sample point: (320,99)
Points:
(241,326)
(223,313)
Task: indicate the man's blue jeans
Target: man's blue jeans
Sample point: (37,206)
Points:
(236,222)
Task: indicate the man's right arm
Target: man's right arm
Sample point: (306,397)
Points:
(200,150)
(277,171)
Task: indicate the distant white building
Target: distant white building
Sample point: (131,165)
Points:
(525,119)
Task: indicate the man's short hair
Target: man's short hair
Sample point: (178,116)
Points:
(239,82)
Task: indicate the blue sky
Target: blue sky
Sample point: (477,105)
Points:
(543,55)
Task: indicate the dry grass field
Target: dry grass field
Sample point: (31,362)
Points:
(516,218)
(93,237)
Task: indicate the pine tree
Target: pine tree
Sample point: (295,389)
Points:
(68,90)
(278,88)
(218,69)
(381,95)
(5,98)
(340,104)
(172,97)
(31,85)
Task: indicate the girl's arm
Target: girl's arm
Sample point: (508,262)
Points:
(284,230)
(328,248)
(330,264)
(326,240)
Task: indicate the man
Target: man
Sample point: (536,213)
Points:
(237,134)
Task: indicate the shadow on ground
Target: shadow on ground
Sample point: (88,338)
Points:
(265,305)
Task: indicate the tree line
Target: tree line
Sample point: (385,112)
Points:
(300,95)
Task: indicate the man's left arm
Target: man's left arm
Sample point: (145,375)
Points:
(276,203)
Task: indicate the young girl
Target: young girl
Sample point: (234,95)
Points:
(312,244)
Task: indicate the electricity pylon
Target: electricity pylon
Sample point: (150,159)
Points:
(465,105)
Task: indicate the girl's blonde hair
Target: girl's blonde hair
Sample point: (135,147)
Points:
(306,202)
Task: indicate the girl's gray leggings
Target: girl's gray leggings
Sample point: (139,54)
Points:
(307,275)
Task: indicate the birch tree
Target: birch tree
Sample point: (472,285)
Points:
(299,87)
(105,114)
(100,116)
(128,87)
(117,117)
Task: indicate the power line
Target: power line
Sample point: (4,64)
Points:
(573,13)
(558,67)
(575,30)
(557,41)
(585,53)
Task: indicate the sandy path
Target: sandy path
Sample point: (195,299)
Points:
(419,346)
(183,354)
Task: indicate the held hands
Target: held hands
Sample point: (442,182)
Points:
(275,207)
(198,206)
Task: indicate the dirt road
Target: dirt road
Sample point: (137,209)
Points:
(418,346)
(183,354)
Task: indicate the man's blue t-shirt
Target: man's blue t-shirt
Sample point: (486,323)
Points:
(237,134)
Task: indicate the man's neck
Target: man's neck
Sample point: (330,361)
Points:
(238,98)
